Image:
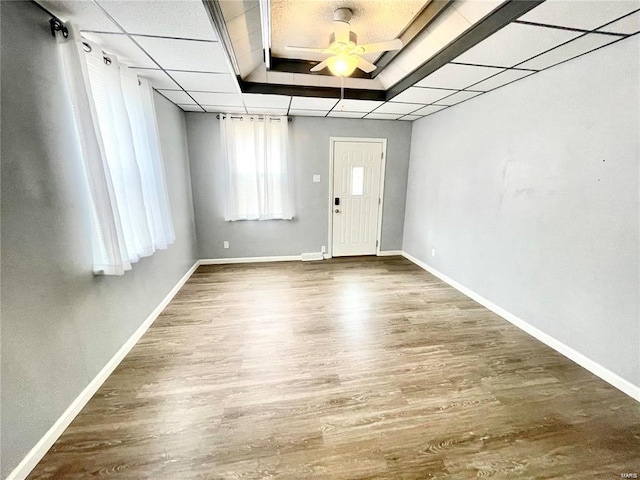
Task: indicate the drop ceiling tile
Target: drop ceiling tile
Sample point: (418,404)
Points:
(192,55)
(340,114)
(585,14)
(382,116)
(178,97)
(429,109)
(457,76)
(308,113)
(629,25)
(410,118)
(266,111)
(398,108)
(313,103)
(179,19)
(515,43)
(224,109)
(501,79)
(191,108)
(421,95)
(569,50)
(158,79)
(265,101)
(122,47)
(348,105)
(227,99)
(87,15)
(474,11)
(206,82)
(457,98)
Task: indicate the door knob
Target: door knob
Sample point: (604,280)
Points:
(337,211)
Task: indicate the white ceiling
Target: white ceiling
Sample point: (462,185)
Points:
(176,47)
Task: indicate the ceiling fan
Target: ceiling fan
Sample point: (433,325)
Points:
(344,49)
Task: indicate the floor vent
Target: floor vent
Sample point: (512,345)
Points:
(312,256)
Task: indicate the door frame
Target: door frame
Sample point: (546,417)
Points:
(332,142)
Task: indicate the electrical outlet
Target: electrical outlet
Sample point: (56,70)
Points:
(433,252)
(226,244)
(323,249)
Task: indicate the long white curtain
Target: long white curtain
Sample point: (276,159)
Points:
(255,150)
(118,134)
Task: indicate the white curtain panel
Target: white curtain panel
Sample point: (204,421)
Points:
(255,150)
(109,248)
(118,133)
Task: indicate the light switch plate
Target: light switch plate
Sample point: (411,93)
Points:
(316,178)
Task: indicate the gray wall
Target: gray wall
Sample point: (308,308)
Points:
(60,324)
(309,155)
(529,195)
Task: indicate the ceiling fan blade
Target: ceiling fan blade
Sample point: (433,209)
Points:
(380,46)
(341,30)
(365,66)
(307,49)
(320,66)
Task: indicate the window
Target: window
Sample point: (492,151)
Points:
(116,124)
(255,150)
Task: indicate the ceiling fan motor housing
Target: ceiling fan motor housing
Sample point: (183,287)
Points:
(342,15)
(353,38)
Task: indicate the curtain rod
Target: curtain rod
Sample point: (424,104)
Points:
(218,116)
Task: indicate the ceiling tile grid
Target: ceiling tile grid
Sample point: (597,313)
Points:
(176,47)
(586,14)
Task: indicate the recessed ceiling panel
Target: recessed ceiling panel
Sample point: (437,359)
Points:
(410,118)
(585,14)
(628,25)
(191,108)
(178,97)
(158,78)
(266,111)
(191,55)
(123,48)
(457,98)
(167,18)
(398,108)
(313,103)
(515,43)
(457,76)
(421,95)
(224,109)
(500,79)
(227,99)
(266,101)
(338,114)
(348,105)
(309,23)
(572,49)
(382,116)
(206,82)
(429,109)
(308,113)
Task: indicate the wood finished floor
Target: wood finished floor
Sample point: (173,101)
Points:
(343,369)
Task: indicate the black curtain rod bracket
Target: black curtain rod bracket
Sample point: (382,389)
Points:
(57,26)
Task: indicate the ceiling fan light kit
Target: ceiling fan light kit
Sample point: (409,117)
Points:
(344,49)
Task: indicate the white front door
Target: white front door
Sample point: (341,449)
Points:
(356,197)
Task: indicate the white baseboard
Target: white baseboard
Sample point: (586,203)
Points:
(389,253)
(38,451)
(224,261)
(605,374)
